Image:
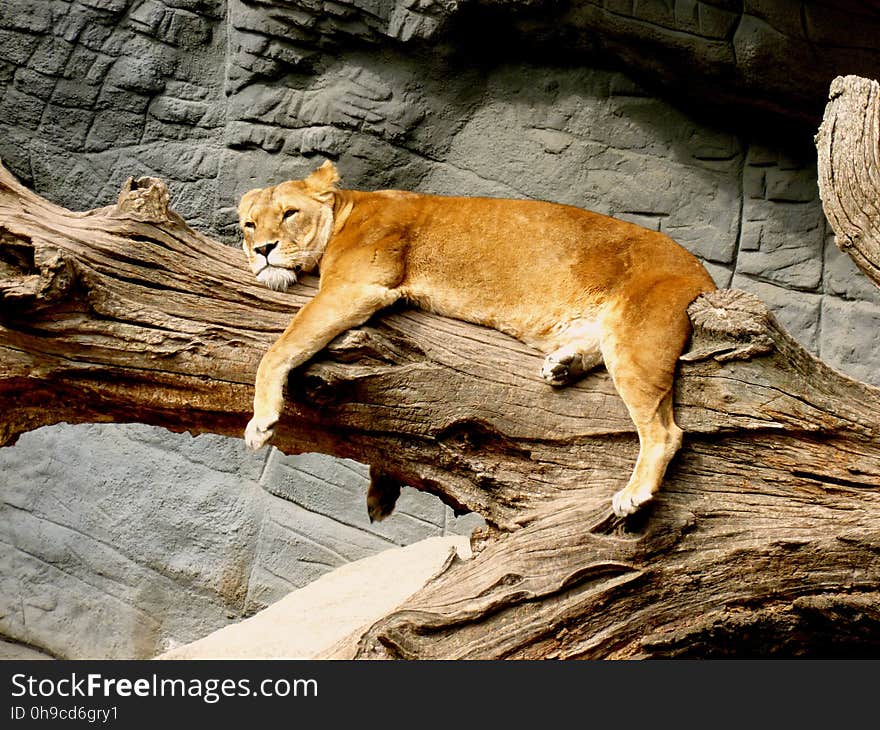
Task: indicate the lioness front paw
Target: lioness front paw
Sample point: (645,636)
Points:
(259,431)
(628,500)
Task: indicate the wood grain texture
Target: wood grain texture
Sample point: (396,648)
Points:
(848,145)
(763,540)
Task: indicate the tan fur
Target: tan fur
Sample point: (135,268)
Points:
(582,287)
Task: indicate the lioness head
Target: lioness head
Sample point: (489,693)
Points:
(286,227)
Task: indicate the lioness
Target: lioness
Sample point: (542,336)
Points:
(582,287)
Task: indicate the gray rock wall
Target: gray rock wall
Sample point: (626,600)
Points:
(120,542)
(115,541)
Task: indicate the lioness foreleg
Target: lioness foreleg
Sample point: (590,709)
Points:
(331,312)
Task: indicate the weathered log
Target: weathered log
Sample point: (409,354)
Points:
(848,145)
(763,540)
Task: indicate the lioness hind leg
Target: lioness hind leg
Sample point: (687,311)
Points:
(641,349)
(659,440)
(567,364)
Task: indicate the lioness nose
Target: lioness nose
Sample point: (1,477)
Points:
(265,249)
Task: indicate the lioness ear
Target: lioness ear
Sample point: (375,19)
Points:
(323,179)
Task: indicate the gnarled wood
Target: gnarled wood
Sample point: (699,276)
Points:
(764,538)
(848,144)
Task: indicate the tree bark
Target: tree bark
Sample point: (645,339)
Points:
(848,144)
(764,537)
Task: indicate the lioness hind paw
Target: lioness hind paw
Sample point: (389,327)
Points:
(555,371)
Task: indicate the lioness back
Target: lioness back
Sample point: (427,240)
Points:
(521,266)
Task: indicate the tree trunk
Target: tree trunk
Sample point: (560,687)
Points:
(764,537)
(848,144)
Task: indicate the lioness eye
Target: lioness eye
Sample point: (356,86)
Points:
(289,213)
(250,225)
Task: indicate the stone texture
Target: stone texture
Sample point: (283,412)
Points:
(783,227)
(139,537)
(89,543)
(770,55)
(850,337)
(118,541)
(841,277)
